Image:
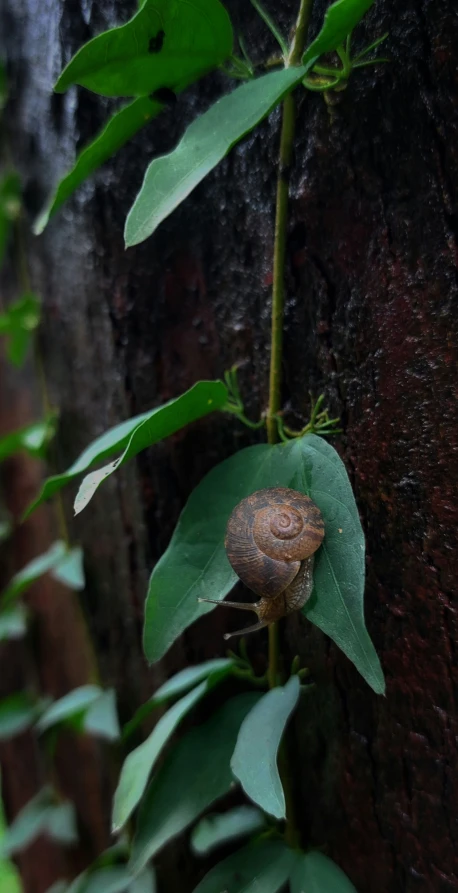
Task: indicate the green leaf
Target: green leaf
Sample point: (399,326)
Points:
(195,774)
(118,131)
(140,762)
(339,21)
(213,670)
(112,879)
(315,873)
(144,883)
(195,564)
(337,603)
(63,563)
(203,398)
(254,761)
(102,447)
(72,704)
(33,439)
(102,717)
(262,867)
(61,823)
(165,44)
(95,708)
(220,828)
(10,207)
(17,713)
(41,815)
(17,323)
(171,178)
(13,623)
(198,401)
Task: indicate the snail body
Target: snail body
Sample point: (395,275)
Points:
(271,539)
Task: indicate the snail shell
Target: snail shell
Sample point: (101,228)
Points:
(269,535)
(271,539)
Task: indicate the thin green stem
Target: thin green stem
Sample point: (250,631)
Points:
(281,225)
(278,302)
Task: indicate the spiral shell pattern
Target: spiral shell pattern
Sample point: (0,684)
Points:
(269,534)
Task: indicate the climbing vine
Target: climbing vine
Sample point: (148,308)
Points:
(161,51)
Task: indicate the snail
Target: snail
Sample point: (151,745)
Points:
(271,539)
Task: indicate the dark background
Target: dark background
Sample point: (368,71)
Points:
(371,321)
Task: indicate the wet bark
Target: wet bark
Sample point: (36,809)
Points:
(371,321)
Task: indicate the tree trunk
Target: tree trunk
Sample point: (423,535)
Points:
(371,282)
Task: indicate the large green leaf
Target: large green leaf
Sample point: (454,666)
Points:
(254,761)
(140,762)
(212,670)
(195,774)
(195,564)
(41,815)
(118,131)
(63,563)
(170,179)
(339,21)
(262,867)
(17,713)
(313,872)
(203,398)
(18,322)
(154,425)
(167,43)
(220,828)
(33,439)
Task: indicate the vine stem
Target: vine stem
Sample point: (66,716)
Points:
(276,354)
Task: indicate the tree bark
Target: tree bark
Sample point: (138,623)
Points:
(370,321)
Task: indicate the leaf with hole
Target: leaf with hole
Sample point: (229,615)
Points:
(212,670)
(261,867)
(313,872)
(339,20)
(164,45)
(171,178)
(140,762)
(136,434)
(221,828)
(199,401)
(18,323)
(195,564)
(195,775)
(63,563)
(121,127)
(254,761)
(34,439)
